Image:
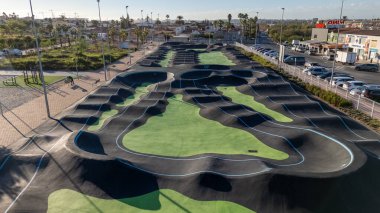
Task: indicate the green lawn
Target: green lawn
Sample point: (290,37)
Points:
(21,83)
(182,132)
(105,115)
(64,59)
(216,57)
(168,57)
(249,101)
(140,91)
(164,200)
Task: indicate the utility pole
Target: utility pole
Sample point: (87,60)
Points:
(257,27)
(101,37)
(282,23)
(336,45)
(39,61)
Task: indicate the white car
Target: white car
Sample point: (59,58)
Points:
(294,48)
(311,64)
(359,90)
(339,81)
(349,85)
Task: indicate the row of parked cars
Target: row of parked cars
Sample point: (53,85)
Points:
(339,79)
(343,80)
(274,54)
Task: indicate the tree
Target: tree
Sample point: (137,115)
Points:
(95,23)
(180,20)
(228,25)
(167,18)
(243,18)
(123,36)
(220,24)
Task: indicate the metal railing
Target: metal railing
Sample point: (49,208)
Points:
(363,104)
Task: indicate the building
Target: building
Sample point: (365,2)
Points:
(365,43)
(319,34)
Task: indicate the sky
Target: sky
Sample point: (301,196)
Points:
(195,9)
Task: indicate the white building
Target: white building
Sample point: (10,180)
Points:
(366,43)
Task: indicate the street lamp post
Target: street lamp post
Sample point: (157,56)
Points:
(257,27)
(104,58)
(282,23)
(39,61)
(336,45)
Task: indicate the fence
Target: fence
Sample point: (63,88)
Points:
(365,105)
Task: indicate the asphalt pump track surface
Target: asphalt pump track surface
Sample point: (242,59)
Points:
(331,166)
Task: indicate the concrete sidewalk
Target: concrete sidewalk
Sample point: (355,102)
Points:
(19,122)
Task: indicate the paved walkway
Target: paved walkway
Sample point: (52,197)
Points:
(19,122)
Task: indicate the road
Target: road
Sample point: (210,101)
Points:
(368,77)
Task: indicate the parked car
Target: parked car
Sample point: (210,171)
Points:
(269,52)
(295,60)
(294,48)
(339,81)
(367,67)
(360,90)
(317,71)
(311,52)
(328,57)
(300,49)
(373,94)
(349,85)
(312,64)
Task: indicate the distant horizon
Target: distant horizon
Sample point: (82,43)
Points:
(196,9)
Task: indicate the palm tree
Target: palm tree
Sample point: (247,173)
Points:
(229,22)
(220,24)
(180,20)
(243,18)
(123,36)
(167,18)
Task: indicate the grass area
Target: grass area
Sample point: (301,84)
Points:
(65,59)
(169,56)
(105,115)
(21,83)
(164,200)
(182,132)
(199,50)
(249,101)
(216,57)
(140,91)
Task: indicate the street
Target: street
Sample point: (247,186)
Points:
(368,77)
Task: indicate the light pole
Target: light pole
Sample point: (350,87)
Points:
(104,58)
(126,18)
(142,17)
(257,20)
(39,61)
(337,43)
(282,23)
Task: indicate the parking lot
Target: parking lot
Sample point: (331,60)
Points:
(368,77)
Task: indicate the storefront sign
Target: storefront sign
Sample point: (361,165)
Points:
(334,24)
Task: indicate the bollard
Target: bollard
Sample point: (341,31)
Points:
(373,109)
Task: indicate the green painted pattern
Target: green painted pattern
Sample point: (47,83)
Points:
(215,57)
(105,115)
(182,132)
(140,91)
(168,57)
(249,101)
(164,200)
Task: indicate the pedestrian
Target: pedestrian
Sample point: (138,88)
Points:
(70,80)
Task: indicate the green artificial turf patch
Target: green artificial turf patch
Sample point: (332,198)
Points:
(216,57)
(21,83)
(105,115)
(181,132)
(164,200)
(140,91)
(168,57)
(240,98)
